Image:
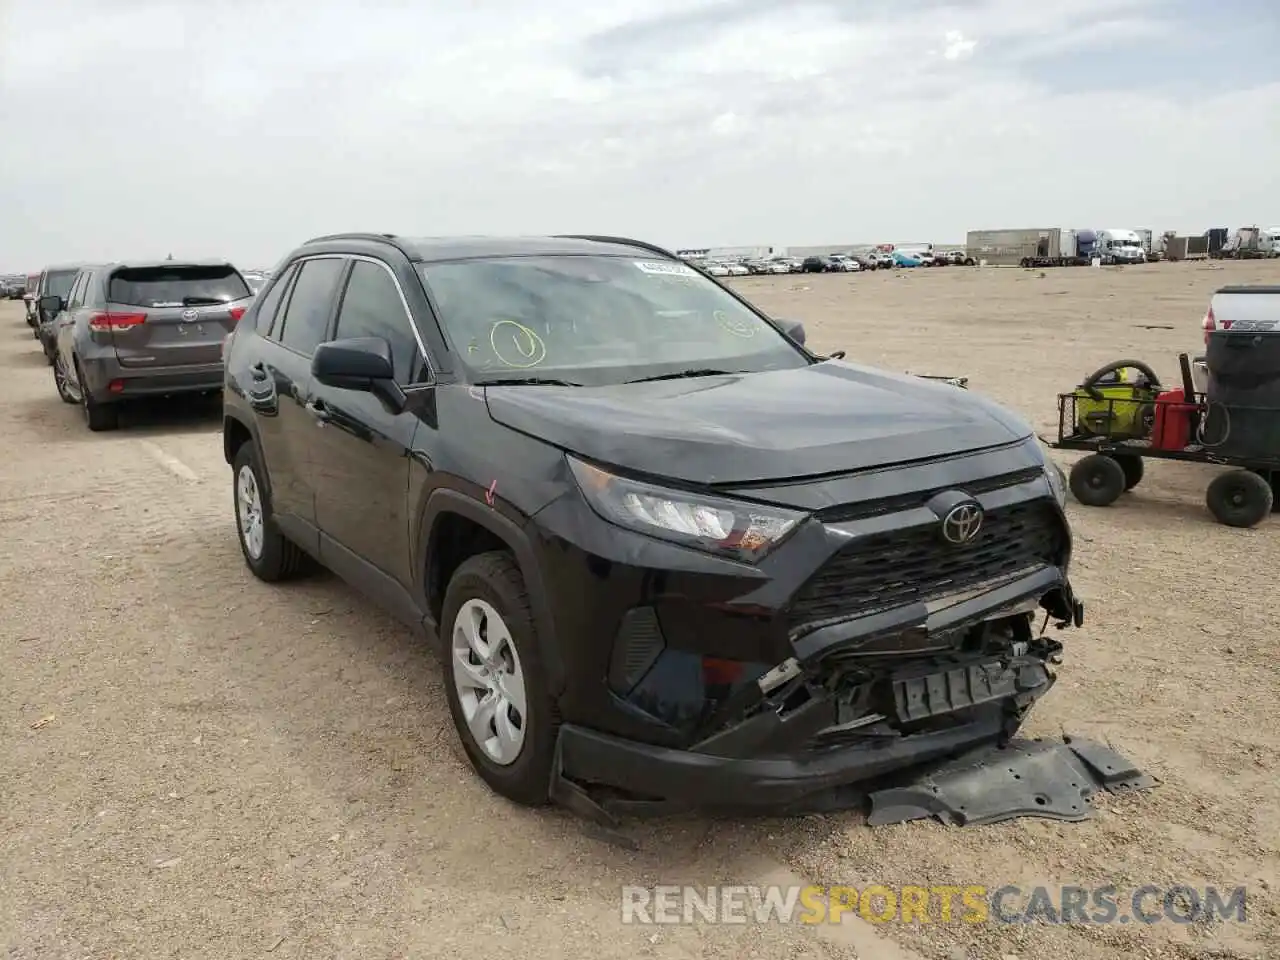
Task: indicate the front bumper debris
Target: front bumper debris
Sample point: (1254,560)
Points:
(809,729)
(847,723)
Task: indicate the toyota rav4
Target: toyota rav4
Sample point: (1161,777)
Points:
(663,547)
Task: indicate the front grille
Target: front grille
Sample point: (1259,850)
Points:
(905,501)
(913,565)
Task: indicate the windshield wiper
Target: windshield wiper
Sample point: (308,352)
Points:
(519,381)
(705,372)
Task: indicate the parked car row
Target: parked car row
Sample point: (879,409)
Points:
(830,263)
(655,546)
(13,288)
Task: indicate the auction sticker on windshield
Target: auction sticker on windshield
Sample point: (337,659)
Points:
(666,269)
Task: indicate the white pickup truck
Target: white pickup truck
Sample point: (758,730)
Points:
(1238,308)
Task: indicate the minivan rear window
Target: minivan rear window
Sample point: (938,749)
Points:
(176,286)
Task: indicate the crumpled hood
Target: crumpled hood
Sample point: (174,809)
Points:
(831,417)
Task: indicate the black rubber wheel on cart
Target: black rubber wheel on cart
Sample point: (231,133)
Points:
(1239,498)
(1273,480)
(1097,480)
(1132,467)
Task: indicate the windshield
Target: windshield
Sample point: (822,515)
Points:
(598,320)
(57,283)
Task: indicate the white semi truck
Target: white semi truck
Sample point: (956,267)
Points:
(1269,240)
(1120,246)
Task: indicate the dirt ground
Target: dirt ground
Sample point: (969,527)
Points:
(195,764)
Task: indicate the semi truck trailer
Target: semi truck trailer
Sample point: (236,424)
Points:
(1032,247)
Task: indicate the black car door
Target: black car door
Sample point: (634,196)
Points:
(278,388)
(360,454)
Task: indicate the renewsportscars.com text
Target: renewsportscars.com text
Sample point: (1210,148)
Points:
(971,904)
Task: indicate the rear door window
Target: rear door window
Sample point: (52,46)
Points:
(176,286)
(372,307)
(306,318)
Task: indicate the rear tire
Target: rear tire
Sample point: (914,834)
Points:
(1239,498)
(1097,480)
(99,416)
(269,554)
(60,382)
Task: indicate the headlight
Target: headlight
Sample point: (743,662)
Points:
(1057,479)
(744,531)
(1057,482)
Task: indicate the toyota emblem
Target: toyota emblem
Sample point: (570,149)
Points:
(190,314)
(962,523)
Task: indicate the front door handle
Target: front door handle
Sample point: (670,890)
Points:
(316,407)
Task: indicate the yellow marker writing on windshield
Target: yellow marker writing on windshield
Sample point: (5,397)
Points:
(736,327)
(524,341)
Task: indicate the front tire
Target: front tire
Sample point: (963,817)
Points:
(269,554)
(494,678)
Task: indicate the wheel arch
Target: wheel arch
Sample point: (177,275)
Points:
(237,430)
(453,527)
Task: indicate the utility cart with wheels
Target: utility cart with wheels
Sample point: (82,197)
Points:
(1122,422)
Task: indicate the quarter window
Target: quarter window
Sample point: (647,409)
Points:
(75,296)
(270,303)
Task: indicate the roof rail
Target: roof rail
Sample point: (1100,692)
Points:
(390,238)
(621,241)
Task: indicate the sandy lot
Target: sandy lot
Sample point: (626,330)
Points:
(234,770)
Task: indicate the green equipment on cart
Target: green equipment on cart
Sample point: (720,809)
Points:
(1117,401)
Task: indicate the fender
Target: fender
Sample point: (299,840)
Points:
(444,500)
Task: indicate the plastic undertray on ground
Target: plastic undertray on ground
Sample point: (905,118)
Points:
(1052,779)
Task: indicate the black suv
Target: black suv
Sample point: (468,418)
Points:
(665,548)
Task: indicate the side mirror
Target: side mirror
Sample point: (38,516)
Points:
(359,363)
(354,364)
(51,305)
(793,329)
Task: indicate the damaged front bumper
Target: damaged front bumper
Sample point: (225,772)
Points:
(837,715)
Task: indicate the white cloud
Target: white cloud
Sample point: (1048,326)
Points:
(958,46)
(242,128)
(728,124)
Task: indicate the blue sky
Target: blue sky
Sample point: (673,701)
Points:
(140,127)
(1188,45)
